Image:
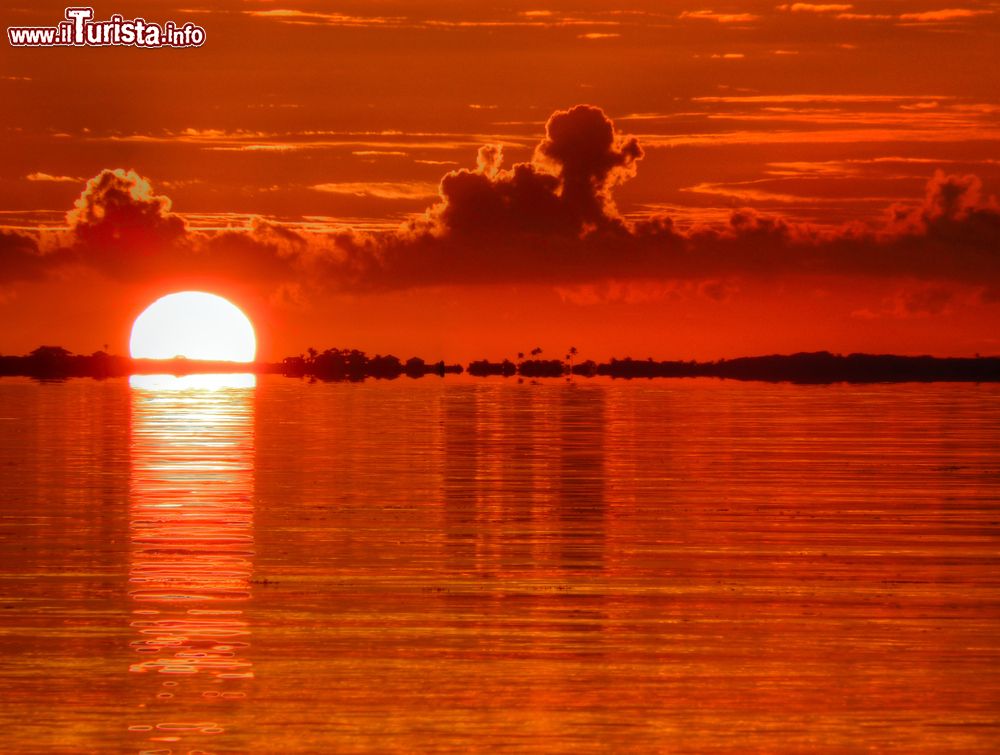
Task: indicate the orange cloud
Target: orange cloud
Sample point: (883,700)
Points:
(307,18)
(815,8)
(722,18)
(551,220)
(45,177)
(380,190)
(946,14)
(864,16)
(119,220)
(121,227)
(567,187)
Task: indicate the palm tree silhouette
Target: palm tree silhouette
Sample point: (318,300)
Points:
(569,358)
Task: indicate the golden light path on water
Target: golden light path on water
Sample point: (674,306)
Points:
(192,550)
(469,565)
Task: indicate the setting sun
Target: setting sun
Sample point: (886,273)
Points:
(194,325)
(577,375)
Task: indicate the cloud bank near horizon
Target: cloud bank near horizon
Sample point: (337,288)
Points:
(549,220)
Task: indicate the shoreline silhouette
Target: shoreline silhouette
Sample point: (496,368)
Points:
(55,363)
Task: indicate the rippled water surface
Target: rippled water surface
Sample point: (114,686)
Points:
(218,565)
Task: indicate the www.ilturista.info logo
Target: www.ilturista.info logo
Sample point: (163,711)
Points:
(80,30)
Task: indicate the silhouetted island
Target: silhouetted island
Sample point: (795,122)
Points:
(812,367)
(351,364)
(54,363)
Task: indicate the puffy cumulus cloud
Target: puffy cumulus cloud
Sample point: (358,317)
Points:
(119,208)
(566,189)
(954,209)
(122,227)
(554,220)
(550,220)
(265,252)
(590,160)
(953,235)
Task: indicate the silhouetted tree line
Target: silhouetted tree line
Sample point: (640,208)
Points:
(351,364)
(485,368)
(813,367)
(55,362)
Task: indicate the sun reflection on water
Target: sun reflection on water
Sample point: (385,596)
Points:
(192,549)
(200,382)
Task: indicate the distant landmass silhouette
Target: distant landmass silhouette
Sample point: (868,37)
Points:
(55,362)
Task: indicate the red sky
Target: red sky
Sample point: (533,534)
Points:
(295,162)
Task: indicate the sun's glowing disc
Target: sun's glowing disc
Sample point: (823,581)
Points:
(194,325)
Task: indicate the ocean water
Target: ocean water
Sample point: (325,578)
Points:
(238,564)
